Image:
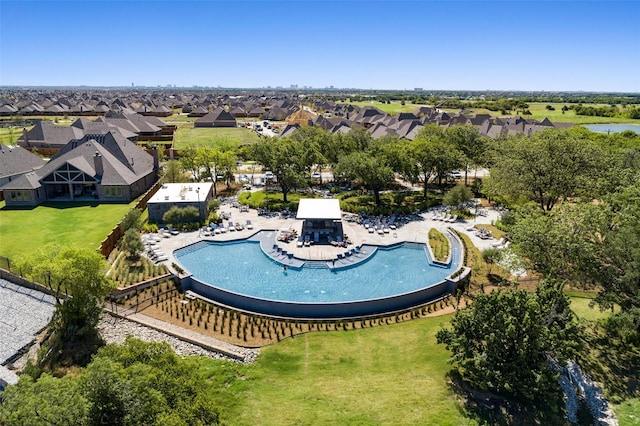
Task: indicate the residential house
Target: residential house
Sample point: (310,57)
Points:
(217,118)
(16,161)
(104,167)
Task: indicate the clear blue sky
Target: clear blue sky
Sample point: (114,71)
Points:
(478,45)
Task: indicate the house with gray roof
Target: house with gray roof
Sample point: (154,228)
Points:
(105,167)
(217,118)
(16,161)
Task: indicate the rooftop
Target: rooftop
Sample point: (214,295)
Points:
(316,208)
(182,193)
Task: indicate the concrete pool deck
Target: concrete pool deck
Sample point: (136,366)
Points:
(413,231)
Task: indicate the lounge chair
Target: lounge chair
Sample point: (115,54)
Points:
(231,227)
(380,230)
(445,218)
(307,241)
(300,242)
(371,230)
(452,218)
(173,231)
(498,243)
(249,225)
(239,226)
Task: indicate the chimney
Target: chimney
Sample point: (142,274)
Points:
(97,162)
(156,159)
(25,137)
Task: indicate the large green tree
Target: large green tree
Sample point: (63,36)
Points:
(77,279)
(280,156)
(547,167)
(373,171)
(136,383)
(502,332)
(432,156)
(471,144)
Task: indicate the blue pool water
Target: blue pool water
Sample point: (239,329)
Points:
(612,128)
(242,267)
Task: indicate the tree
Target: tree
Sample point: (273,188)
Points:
(432,156)
(373,171)
(77,279)
(189,162)
(135,383)
(457,196)
(547,167)
(490,256)
(215,161)
(471,144)
(173,173)
(502,331)
(45,401)
(131,244)
(279,156)
(177,215)
(132,220)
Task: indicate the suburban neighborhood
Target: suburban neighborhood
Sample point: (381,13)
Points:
(317,213)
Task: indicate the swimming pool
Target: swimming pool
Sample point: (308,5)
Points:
(240,274)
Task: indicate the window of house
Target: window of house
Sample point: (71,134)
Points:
(113,191)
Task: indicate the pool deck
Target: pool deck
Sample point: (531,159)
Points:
(415,231)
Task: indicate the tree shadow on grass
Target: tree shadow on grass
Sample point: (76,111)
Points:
(491,409)
(610,361)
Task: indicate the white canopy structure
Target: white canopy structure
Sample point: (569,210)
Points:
(320,209)
(322,220)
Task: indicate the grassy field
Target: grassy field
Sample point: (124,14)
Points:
(187,136)
(539,112)
(384,375)
(85,225)
(628,412)
(9,136)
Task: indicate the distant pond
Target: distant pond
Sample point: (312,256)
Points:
(612,128)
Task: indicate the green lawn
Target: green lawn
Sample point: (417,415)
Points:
(384,375)
(628,412)
(9,135)
(84,225)
(580,306)
(187,137)
(539,112)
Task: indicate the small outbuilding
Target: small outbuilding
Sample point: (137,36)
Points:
(322,220)
(181,195)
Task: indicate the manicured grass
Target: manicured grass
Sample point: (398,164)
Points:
(539,111)
(209,136)
(580,306)
(81,224)
(439,245)
(9,135)
(384,375)
(628,412)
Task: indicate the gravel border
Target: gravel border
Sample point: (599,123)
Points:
(114,330)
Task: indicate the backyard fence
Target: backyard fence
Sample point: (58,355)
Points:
(108,244)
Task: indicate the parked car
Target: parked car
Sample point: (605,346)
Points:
(315,175)
(268,175)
